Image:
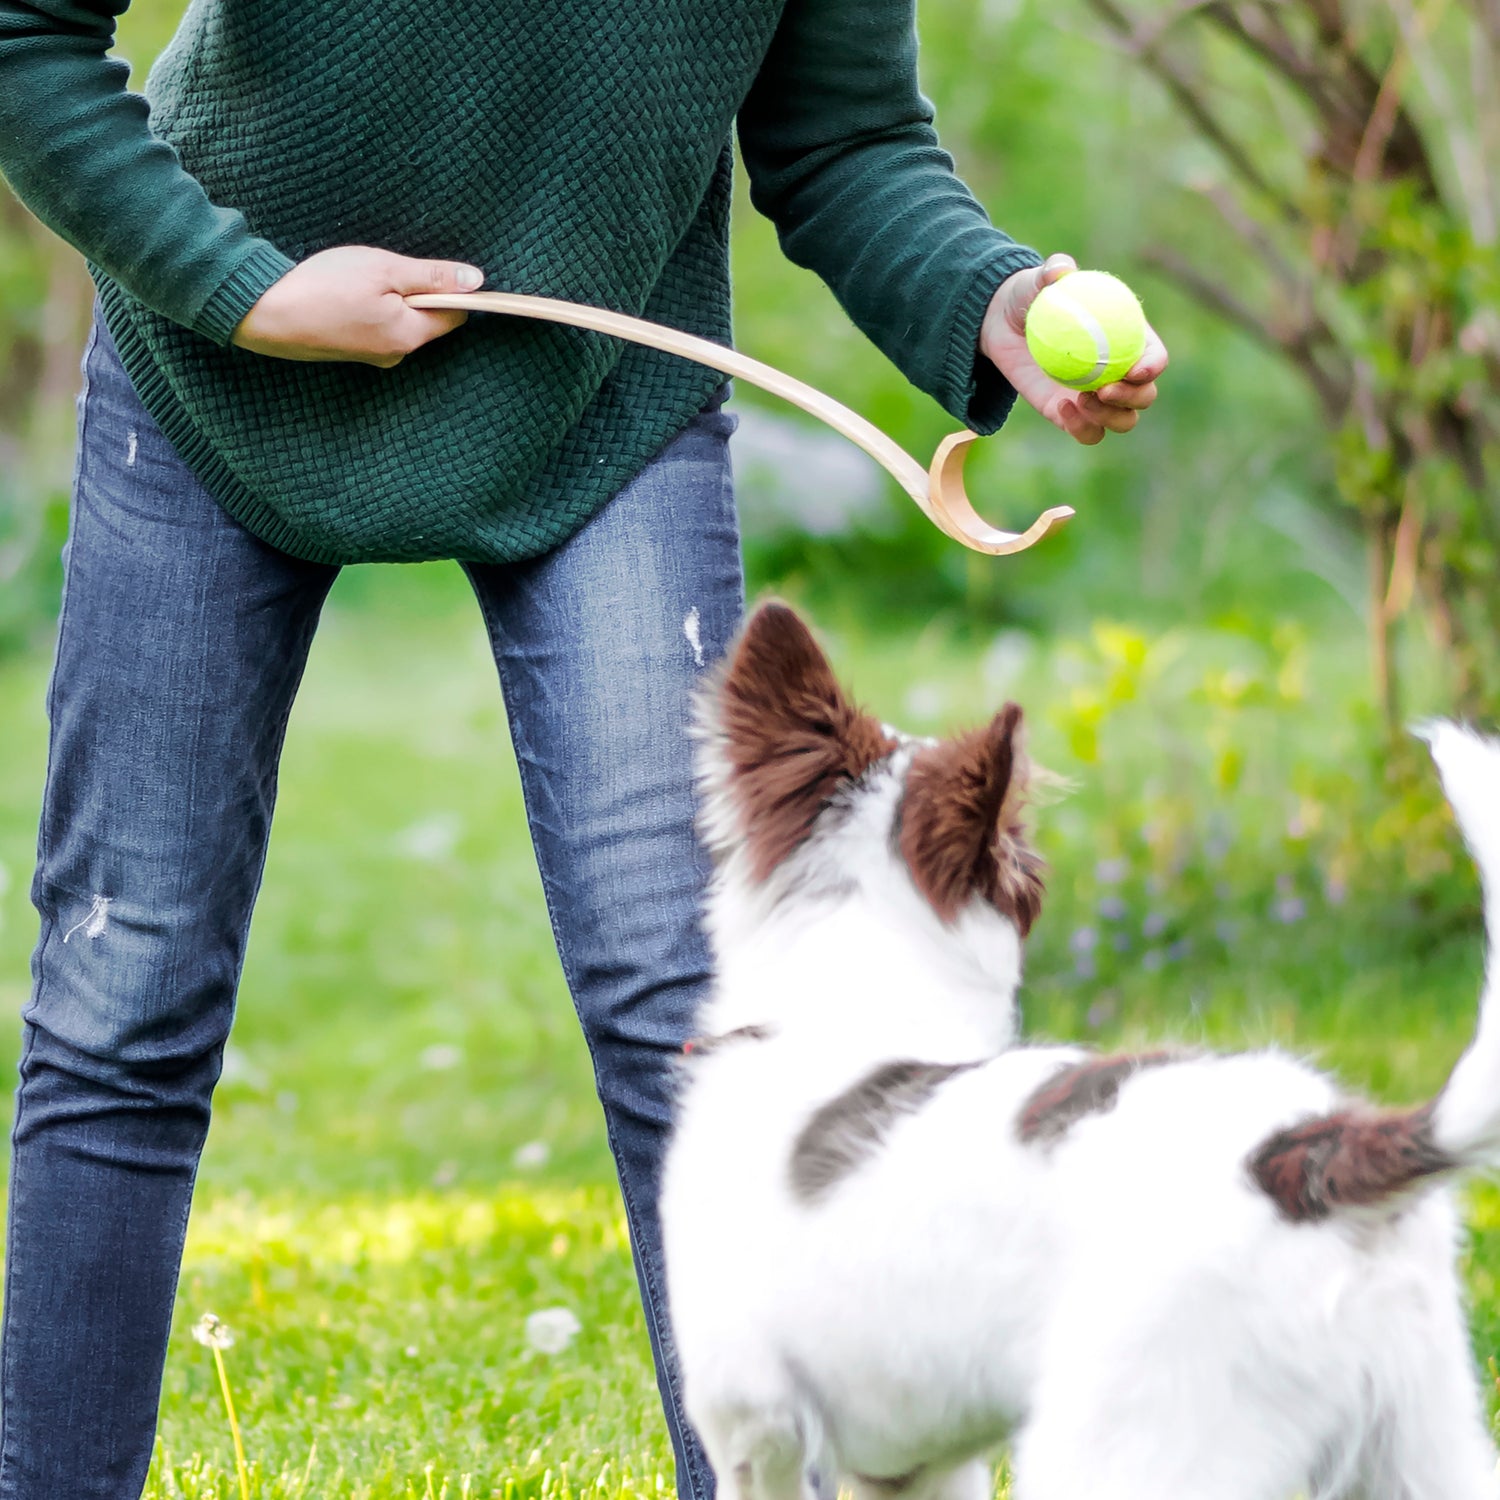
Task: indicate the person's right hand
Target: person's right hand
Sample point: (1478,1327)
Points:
(349,303)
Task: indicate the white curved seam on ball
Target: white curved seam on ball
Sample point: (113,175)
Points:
(1091,325)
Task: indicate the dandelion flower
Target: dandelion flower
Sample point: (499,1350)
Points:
(432,839)
(551,1330)
(441,1057)
(212,1332)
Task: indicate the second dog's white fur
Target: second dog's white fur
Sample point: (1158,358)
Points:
(1116,1292)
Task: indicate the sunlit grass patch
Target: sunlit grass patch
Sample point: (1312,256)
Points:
(407,1161)
(382,1349)
(393,1334)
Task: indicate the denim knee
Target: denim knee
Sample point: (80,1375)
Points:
(129,988)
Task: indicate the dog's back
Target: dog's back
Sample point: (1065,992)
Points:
(893,1235)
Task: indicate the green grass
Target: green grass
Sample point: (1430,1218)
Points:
(364,1223)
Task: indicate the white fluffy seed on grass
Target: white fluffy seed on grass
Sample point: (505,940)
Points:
(551,1330)
(212,1332)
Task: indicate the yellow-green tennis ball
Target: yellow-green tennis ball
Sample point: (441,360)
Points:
(1086,329)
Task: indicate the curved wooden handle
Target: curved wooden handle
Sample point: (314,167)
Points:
(938,490)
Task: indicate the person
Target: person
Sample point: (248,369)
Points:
(261,406)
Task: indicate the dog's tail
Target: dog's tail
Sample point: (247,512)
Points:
(1370,1159)
(1466,1117)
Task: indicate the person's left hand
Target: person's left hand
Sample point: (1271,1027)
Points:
(1084,415)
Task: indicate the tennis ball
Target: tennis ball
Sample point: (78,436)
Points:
(1086,329)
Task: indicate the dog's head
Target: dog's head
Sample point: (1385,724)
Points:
(804,790)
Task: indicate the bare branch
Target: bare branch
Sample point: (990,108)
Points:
(1150,31)
(1213,296)
(1254,234)
(1261,32)
(1149,50)
(1487,14)
(1340,84)
(1384,116)
(1304,344)
(1472,145)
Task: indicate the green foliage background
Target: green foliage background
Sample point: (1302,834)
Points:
(1225,490)
(1243,855)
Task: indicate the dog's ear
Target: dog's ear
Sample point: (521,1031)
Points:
(790,736)
(961,831)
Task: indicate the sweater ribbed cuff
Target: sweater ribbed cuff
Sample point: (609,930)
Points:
(981,396)
(239,292)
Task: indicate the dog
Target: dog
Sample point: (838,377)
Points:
(897,1235)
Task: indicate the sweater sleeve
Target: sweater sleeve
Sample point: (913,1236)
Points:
(842,156)
(77,146)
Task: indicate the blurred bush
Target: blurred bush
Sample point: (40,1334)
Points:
(1219,818)
(44,297)
(1167,521)
(1223,499)
(1353,173)
(1226,501)
(45,301)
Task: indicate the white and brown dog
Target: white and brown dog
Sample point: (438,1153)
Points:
(895,1235)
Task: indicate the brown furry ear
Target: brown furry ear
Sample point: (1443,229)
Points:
(961,832)
(790,735)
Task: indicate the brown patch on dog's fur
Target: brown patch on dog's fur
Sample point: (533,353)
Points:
(702,1046)
(851,1127)
(961,830)
(1351,1159)
(791,736)
(1077,1090)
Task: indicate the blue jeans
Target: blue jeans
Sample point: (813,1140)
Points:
(181,644)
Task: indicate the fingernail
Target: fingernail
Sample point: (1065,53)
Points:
(470,278)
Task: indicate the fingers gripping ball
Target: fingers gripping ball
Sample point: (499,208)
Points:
(1086,329)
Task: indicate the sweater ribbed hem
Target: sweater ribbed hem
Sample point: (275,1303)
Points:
(239,292)
(983,397)
(194,450)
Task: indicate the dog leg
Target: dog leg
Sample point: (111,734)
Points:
(758,1454)
(969,1481)
(1434,1443)
(1435,1454)
(1085,1442)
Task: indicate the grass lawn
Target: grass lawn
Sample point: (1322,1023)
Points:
(406,1161)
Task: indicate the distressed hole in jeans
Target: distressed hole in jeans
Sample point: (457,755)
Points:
(694,636)
(94,921)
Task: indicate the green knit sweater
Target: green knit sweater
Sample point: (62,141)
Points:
(572,148)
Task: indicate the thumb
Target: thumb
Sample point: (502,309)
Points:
(409,276)
(1022,288)
(1054,269)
